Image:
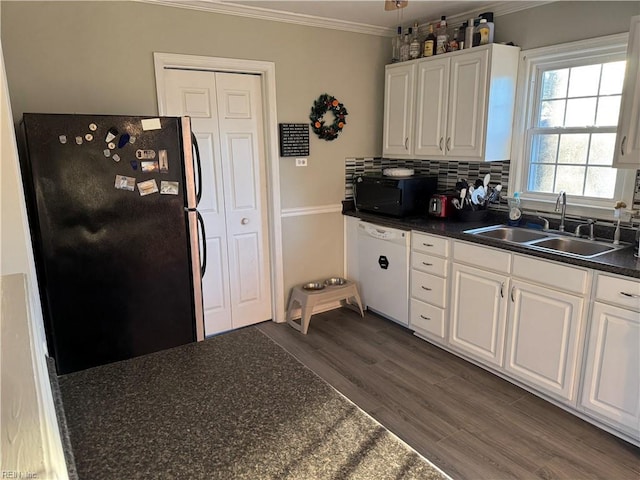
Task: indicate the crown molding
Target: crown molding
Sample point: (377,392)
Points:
(277,16)
(214,6)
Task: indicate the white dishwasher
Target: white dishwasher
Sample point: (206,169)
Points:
(383,262)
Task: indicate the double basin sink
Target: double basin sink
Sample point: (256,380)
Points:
(559,243)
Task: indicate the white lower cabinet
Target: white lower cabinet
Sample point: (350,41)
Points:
(611,378)
(478,312)
(429,272)
(543,339)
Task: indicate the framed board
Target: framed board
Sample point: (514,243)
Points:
(294,139)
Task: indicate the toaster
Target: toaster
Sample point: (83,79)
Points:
(440,205)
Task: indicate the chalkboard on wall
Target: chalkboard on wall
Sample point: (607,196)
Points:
(294,139)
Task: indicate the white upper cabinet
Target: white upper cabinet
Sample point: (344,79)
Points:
(398,109)
(464,106)
(628,139)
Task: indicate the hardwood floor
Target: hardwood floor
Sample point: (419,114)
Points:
(470,423)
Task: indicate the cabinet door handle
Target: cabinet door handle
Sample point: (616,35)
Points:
(426,288)
(428,244)
(512,290)
(448,143)
(406,143)
(427,264)
(426,318)
(440,143)
(630,295)
(501,290)
(624,140)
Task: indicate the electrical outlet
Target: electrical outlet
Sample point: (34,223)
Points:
(301,162)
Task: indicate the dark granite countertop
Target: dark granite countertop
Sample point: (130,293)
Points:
(621,262)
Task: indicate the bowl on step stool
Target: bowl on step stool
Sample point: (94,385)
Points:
(313,286)
(335,281)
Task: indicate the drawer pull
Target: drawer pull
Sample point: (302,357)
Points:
(427,264)
(426,318)
(428,244)
(426,288)
(630,295)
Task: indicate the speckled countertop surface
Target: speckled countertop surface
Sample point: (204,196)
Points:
(620,262)
(235,406)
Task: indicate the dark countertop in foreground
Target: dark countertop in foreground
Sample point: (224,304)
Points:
(620,262)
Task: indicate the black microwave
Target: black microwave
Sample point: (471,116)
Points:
(395,196)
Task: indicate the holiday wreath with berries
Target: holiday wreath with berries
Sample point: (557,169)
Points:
(322,105)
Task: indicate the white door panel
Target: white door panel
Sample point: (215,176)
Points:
(243,187)
(196,102)
(227,121)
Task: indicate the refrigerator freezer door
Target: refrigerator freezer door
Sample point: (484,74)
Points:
(114,265)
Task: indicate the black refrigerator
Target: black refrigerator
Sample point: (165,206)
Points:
(116,235)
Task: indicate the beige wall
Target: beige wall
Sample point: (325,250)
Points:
(562,22)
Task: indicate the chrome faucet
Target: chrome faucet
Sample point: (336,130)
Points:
(545,223)
(562,196)
(590,223)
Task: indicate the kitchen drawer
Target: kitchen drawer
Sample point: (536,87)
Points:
(624,292)
(429,264)
(428,288)
(432,244)
(562,277)
(425,318)
(489,258)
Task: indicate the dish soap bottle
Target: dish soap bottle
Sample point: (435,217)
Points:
(515,213)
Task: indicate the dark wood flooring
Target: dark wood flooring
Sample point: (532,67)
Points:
(470,423)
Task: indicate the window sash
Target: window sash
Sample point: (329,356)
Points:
(532,66)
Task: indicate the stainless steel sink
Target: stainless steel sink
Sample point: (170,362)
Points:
(575,246)
(509,234)
(558,243)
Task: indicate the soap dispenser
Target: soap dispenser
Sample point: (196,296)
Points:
(515,213)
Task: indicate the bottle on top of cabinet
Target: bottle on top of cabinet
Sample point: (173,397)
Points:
(396,43)
(404,48)
(468,33)
(429,47)
(453,42)
(485,32)
(442,37)
(414,46)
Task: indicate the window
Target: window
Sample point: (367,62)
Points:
(572,95)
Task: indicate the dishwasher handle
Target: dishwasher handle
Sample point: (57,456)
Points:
(382,233)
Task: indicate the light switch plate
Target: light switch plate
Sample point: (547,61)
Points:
(301,162)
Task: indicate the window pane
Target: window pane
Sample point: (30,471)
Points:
(554,83)
(545,148)
(602,148)
(581,112)
(573,148)
(601,182)
(612,78)
(570,179)
(608,109)
(584,81)
(541,177)
(551,113)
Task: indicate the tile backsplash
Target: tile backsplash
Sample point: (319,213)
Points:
(448,172)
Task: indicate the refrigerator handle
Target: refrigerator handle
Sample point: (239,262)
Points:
(194,142)
(203,267)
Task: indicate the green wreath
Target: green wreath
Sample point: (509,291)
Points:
(322,105)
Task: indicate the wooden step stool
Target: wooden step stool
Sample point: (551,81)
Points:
(307,299)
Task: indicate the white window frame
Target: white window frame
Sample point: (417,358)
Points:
(600,50)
